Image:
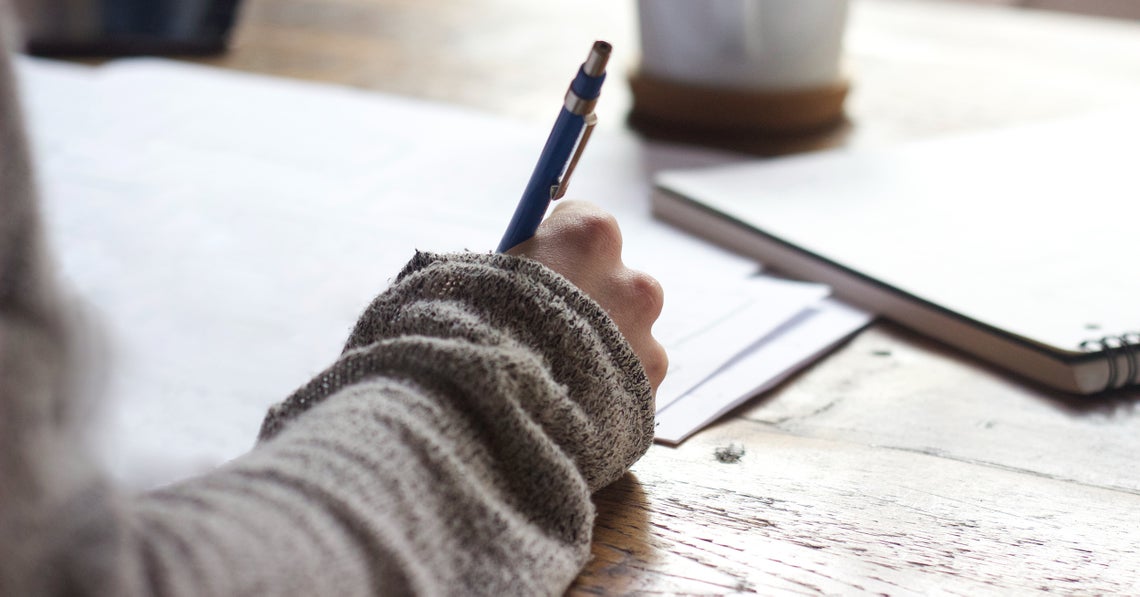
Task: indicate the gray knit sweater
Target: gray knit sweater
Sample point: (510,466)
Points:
(451,449)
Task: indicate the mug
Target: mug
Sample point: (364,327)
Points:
(771,65)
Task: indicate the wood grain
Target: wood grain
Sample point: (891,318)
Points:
(895,466)
(807,515)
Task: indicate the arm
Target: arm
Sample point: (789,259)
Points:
(451,449)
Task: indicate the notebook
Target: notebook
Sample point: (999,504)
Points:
(1016,245)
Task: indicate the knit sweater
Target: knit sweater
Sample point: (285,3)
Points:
(451,448)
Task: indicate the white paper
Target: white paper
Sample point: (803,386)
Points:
(711,324)
(765,365)
(226,230)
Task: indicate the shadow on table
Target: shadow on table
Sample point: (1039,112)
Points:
(621,537)
(1122,402)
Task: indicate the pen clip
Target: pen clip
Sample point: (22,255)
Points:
(558,189)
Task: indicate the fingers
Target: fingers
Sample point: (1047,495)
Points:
(637,307)
(583,243)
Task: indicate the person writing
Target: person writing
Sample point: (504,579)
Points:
(451,448)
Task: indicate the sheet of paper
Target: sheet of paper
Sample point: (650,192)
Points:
(713,323)
(771,360)
(225,230)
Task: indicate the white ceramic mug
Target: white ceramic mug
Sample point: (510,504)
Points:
(762,45)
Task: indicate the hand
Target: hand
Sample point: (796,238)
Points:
(583,243)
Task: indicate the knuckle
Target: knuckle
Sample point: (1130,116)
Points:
(599,230)
(646,293)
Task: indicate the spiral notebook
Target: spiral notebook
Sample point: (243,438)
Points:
(1016,245)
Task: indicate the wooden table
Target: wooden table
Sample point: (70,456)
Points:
(895,465)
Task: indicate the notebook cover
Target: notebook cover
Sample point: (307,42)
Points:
(1025,233)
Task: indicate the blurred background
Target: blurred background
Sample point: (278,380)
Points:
(126,27)
(916,67)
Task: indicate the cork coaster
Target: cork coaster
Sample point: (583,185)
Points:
(676,105)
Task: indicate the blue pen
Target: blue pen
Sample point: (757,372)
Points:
(563,148)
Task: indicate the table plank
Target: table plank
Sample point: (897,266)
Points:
(807,515)
(512,57)
(892,388)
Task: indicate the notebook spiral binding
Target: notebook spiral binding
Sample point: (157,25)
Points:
(1126,345)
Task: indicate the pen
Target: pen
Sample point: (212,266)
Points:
(563,148)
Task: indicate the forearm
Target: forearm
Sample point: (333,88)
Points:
(452,448)
(366,495)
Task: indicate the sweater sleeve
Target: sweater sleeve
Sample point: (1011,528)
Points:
(451,449)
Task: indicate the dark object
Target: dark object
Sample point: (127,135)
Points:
(730,454)
(767,123)
(128,27)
